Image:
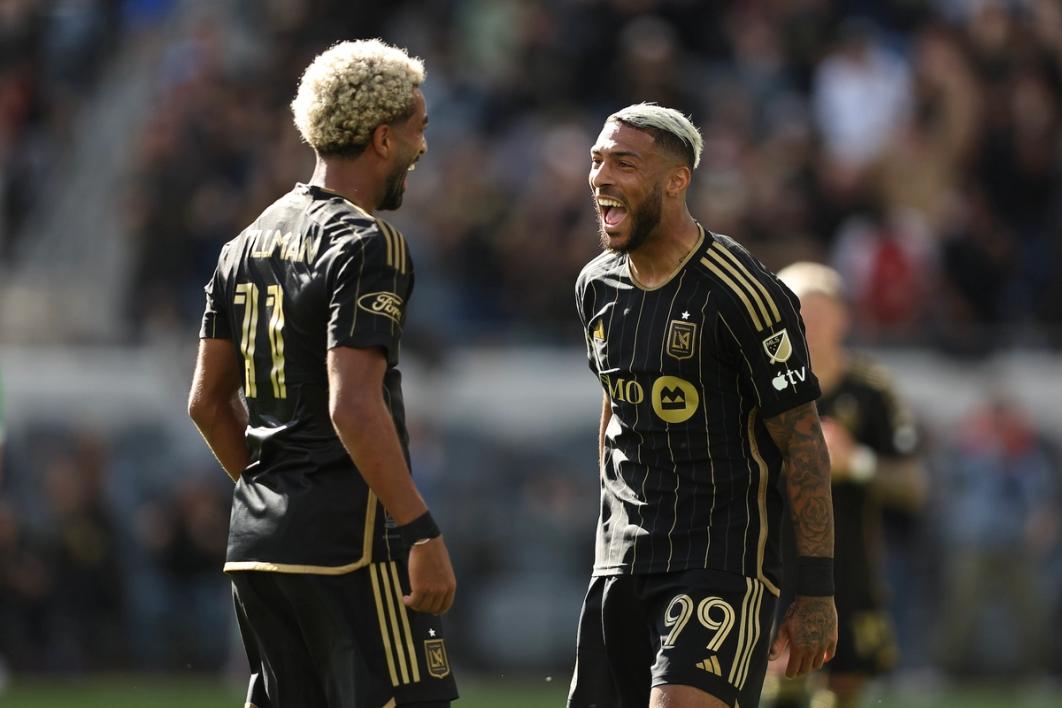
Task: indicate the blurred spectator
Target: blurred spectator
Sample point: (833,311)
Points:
(1001,517)
(51,53)
(26,584)
(862,92)
(186,537)
(86,627)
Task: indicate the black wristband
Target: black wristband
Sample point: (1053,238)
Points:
(422,528)
(814,576)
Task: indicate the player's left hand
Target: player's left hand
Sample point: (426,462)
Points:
(431,578)
(809,631)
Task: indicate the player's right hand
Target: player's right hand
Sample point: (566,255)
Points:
(431,578)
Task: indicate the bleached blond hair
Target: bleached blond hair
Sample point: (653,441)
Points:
(807,278)
(350,90)
(668,127)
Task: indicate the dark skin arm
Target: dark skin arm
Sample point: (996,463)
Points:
(363,422)
(215,406)
(809,628)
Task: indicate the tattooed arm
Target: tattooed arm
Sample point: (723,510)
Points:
(809,628)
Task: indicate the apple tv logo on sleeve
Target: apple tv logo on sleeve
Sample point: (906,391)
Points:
(789,377)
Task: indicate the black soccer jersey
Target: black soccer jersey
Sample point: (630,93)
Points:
(691,476)
(313,272)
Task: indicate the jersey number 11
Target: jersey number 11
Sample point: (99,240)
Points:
(247,295)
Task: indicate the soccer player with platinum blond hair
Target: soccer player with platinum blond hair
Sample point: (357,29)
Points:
(709,431)
(339,572)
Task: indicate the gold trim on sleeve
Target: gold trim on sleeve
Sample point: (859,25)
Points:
(738,291)
(755,281)
(742,279)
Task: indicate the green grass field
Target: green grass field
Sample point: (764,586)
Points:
(498,692)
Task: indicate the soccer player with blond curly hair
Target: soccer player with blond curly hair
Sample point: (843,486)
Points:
(339,572)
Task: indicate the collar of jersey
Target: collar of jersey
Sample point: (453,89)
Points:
(678,268)
(328,192)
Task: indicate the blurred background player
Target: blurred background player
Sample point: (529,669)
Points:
(338,569)
(872,442)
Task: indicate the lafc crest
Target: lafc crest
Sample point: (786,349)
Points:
(438,662)
(680,340)
(778,347)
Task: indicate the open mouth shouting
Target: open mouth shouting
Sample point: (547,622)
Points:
(613,212)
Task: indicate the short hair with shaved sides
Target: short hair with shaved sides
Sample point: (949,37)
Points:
(670,130)
(350,90)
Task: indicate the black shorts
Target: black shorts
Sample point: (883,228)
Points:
(702,628)
(341,641)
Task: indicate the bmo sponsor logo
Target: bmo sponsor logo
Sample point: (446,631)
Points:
(789,377)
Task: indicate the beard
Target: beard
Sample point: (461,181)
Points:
(395,188)
(643,220)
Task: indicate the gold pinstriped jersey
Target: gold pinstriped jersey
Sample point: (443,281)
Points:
(690,476)
(311,273)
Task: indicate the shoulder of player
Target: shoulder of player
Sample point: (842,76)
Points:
(601,265)
(745,285)
(368,236)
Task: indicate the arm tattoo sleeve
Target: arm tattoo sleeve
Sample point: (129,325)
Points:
(798,435)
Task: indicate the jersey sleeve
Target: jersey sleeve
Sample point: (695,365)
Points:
(215,324)
(583,292)
(368,290)
(760,317)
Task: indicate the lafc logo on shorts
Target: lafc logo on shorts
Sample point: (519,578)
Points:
(680,338)
(778,347)
(386,304)
(438,663)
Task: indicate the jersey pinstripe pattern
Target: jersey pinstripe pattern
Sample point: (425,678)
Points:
(690,478)
(312,272)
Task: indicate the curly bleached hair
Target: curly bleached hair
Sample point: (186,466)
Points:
(349,90)
(671,130)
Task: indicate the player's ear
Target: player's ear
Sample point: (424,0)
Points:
(382,140)
(678,179)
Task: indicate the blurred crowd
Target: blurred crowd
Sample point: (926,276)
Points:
(105,562)
(51,52)
(911,143)
(52,56)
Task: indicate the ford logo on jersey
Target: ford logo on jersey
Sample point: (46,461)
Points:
(382,303)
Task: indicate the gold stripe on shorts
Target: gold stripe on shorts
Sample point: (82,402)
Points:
(395,632)
(404,613)
(383,626)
